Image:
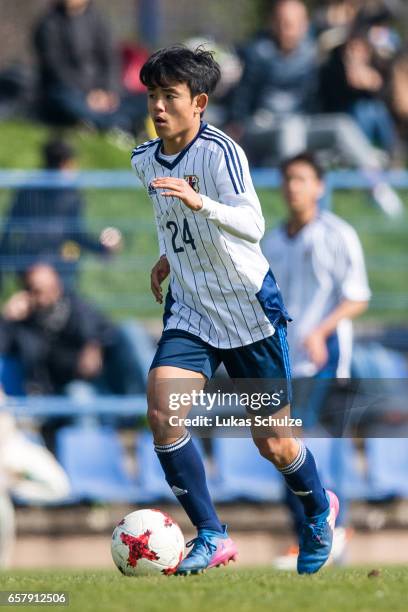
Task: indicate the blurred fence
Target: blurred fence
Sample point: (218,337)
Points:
(120,285)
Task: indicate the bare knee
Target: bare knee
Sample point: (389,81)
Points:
(158,418)
(280,451)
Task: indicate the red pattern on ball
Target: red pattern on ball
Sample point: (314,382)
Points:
(138,547)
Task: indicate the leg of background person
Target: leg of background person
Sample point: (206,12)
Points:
(260,140)
(181,462)
(375,120)
(32,348)
(319,396)
(7,530)
(128,360)
(386,131)
(292,135)
(338,455)
(363,114)
(71,106)
(341,132)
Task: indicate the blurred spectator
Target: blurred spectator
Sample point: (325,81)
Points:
(78,69)
(275,111)
(333,21)
(60,338)
(351,83)
(280,80)
(399,93)
(47,223)
(277,99)
(319,265)
(29,472)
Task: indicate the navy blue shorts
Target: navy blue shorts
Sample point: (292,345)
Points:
(266,359)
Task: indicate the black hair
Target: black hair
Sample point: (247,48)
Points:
(306,157)
(57,152)
(179,64)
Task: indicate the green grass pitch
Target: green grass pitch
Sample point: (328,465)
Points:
(226,590)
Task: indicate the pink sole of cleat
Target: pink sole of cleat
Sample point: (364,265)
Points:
(228,552)
(334,508)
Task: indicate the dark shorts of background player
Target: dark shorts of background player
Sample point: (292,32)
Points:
(267,359)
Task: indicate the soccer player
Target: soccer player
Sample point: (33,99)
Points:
(323,279)
(222,305)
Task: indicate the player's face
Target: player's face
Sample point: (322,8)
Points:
(174,111)
(302,188)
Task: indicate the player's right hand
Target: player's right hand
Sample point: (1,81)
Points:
(159,273)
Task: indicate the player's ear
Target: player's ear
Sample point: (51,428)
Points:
(321,189)
(201,102)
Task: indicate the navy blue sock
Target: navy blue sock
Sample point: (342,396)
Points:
(184,471)
(296,509)
(303,480)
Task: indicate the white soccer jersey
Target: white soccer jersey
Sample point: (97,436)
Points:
(317,268)
(216,264)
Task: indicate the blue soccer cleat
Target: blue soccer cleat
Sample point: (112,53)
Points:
(210,549)
(316,539)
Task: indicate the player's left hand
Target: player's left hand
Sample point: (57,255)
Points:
(90,360)
(179,188)
(316,347)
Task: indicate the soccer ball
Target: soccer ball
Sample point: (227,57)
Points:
(147,542)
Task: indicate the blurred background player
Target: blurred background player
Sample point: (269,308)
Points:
(48,223)
(319,265)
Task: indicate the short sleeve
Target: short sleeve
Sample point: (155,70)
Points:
(351,274)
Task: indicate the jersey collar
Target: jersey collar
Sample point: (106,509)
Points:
(173,164)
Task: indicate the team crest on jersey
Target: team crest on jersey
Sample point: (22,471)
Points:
(193,181)
(151,190)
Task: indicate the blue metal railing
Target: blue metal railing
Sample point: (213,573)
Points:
(264,178)
(64,406)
